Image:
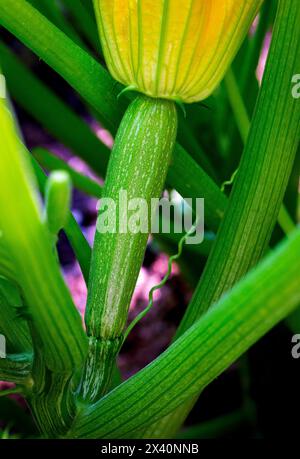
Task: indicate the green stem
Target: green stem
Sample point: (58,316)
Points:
(237,104)
(247,74)
(53,163)
(52,396)
(138,168)
(285,221)
(243,122)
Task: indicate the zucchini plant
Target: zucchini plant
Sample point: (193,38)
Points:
(158,61)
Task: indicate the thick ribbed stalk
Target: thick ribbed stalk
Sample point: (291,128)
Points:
(137,169)
(52,398)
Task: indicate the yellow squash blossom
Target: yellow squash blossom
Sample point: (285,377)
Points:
(175,49)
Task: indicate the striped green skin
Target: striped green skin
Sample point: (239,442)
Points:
(139,165)
(52,398)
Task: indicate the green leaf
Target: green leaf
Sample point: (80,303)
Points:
(248,82)
(192,182)
(48,109)
(53,316)
(68,59)
(84,21)
(53,11)
(73,231)
(52,163)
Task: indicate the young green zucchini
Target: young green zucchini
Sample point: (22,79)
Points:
(137,169)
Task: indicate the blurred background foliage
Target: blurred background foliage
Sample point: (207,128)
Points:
(254,397)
